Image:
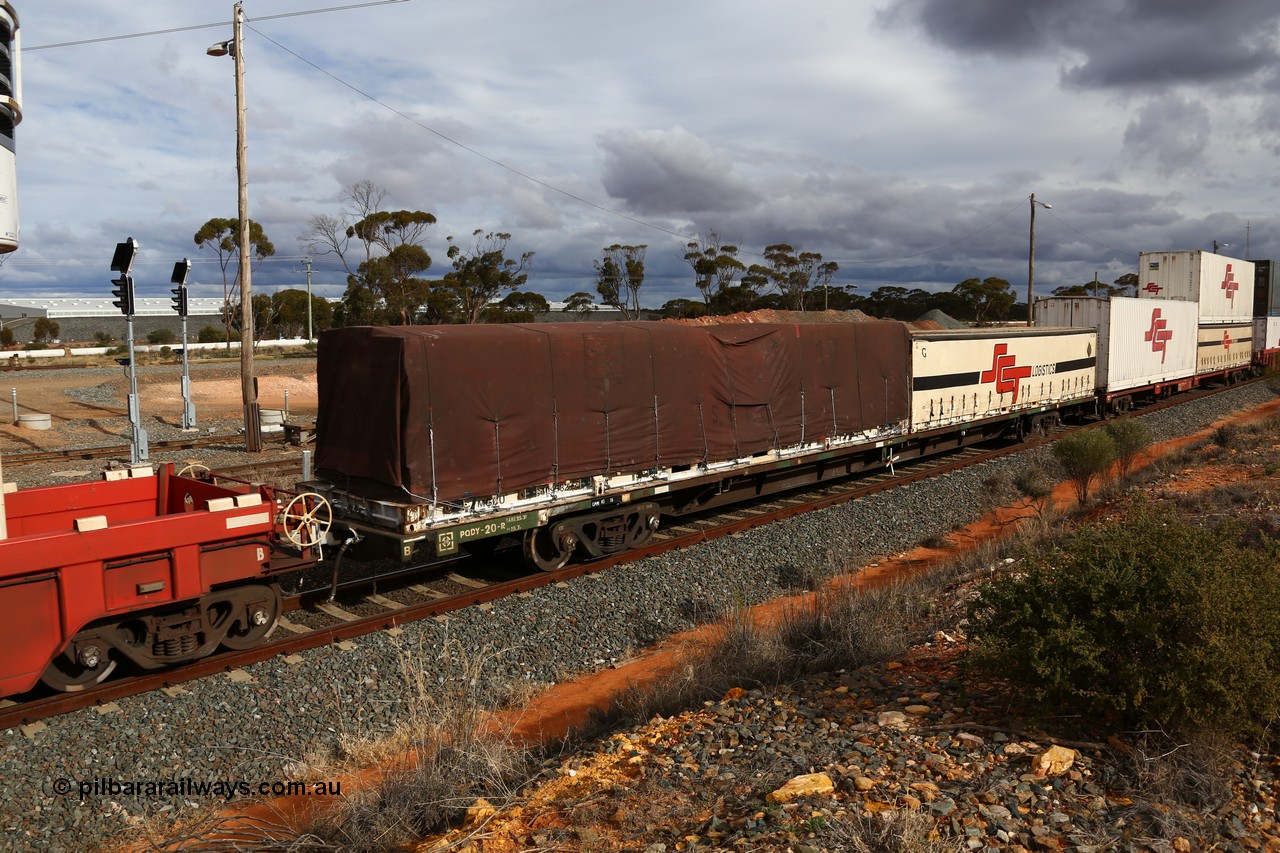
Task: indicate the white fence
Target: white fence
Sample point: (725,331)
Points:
(73,351)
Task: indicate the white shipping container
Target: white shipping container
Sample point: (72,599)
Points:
(971,374)
(1266,334)
(1224,347)
(1222,286)
(1141,342)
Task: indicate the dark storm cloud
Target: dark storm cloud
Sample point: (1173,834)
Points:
(669,172)
(1170,131)
(1110,43)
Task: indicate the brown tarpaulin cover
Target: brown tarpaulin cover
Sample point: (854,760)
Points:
(453,412)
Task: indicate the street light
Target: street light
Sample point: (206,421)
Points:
(1031,261)
(248,387)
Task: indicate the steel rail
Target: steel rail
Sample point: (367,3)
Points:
(107,451)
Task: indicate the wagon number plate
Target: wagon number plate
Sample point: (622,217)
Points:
(447,541)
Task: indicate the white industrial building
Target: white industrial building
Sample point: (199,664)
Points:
(57,309)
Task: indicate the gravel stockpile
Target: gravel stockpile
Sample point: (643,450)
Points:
(263,729)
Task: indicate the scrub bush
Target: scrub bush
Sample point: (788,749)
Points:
(1131,436)
(1084,455)
(1149,619)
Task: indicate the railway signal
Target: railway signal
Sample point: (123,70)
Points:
(123,293)
(180,271)
(122,262)
(179,298)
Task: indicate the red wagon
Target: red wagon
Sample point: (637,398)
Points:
(149,568)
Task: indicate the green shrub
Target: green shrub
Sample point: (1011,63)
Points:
(161,336)
(1131,437)
(1150,618)
(45,330)
(6,337)
(1084,455)
(1034,484)
(211,335)
(1226,435)
(103,338)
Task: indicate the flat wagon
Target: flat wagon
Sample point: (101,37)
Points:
(579,436)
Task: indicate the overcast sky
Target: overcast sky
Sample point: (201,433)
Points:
(899,138)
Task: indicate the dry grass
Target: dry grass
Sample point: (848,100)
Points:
(1175,786)
(435,767)
(840,626)
(420,780)
(891,831)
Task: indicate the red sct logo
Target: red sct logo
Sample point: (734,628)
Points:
(1159,334)
(1226,340)
(1152,287)
(1004,372)
(1230,285)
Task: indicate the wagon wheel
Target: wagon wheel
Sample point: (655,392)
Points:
(193,469)
(548,550)
(66,674)
(306,519)
(255,621)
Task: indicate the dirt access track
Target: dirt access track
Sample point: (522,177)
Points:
(78,398)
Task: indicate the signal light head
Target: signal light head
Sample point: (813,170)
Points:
(123,291)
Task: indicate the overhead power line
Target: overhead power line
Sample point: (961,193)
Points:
(124,36)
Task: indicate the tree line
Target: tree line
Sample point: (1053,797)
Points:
(386,262)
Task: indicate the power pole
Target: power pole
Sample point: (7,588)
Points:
(306,262)
(248,385)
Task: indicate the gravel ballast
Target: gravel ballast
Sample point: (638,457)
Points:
(264,728)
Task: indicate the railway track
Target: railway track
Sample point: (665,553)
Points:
(383,602)
(108,451)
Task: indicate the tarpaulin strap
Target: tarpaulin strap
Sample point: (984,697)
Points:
(768,410)
(497,453)
(555,443)
(702,425)
(657,436)
(733,418)
(431,443)
(608,445)
(835,424)
(803,416)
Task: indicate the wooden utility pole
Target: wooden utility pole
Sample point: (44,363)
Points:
(248,385)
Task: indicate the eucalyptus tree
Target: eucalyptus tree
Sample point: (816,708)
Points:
(619,277)
(482,272)
(222,236)
(792,273)
(381,250)
(715,264)
(989,298)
